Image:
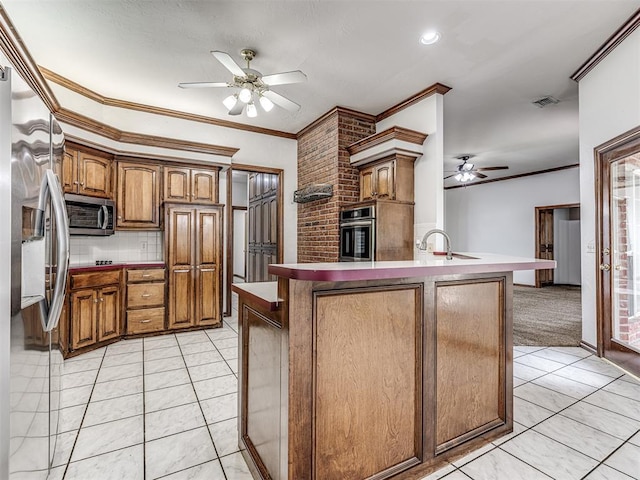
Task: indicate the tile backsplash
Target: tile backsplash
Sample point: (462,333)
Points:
(120,247)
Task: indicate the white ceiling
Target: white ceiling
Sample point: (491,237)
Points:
(498,56)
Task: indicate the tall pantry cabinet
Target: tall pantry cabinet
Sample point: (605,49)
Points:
(193,243)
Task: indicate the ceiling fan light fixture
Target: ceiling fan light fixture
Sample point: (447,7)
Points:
(230,101)
(430,37)
(265,103)
(245,94)
(252,111)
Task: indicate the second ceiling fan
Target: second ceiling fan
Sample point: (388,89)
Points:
(251,86)
(466,172)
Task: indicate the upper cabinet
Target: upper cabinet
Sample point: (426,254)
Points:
(138,205)
(190,185)
(87,172)
(388,179)
(385,160)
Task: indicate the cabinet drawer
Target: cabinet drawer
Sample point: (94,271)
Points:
(145,275)
(145,320)
(94,279)
(145,295)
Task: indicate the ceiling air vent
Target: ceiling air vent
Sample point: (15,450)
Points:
(545,101)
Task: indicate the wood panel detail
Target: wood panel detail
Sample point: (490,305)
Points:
(470,375)
(368,408)
(138,196)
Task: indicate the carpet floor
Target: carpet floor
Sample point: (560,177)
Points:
(548,316)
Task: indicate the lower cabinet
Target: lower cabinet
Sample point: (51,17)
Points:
(145,300)
(94,308)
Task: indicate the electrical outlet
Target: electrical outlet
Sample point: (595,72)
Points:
(143,245)
(429,247)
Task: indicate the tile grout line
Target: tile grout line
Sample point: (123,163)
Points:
(200,406)
(610,455)
(86,408)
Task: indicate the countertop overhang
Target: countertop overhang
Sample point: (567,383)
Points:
(430,265)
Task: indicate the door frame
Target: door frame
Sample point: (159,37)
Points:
(229,209)
(619,147)
(539,227)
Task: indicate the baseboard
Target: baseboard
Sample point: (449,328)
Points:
(588,347)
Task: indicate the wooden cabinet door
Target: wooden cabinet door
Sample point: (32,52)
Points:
(138,196)
(180,227)
(70,171)
(84,312)
(255,186)
(95,175)
(109,313)
(384,181)
(176,184)
(204,186)
(207,296)
(272,212)
(367,187)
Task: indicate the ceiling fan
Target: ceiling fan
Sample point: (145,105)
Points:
(466,172)
(252,86)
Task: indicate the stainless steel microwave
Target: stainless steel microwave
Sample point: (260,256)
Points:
(90,215)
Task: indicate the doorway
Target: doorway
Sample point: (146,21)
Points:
(261,184)
(618,250)
(558,238)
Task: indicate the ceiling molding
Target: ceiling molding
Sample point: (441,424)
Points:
(16,51)
(113,102)
(511,177)
(86,123)
(336,111)
(607,47)
(427,92)
(393,133)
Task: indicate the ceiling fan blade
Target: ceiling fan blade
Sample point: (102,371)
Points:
(281,101)
(479,175)
(237,108)
(228,62)
(491,168)
(285,77)
(449,176)
(202,84)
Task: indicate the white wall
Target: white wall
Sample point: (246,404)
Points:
(499,217)
(240,193)
(609,102)
(254,148)
(427,117)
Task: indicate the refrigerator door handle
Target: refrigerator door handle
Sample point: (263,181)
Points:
(52,189)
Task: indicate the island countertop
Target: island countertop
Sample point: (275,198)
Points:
(462,263)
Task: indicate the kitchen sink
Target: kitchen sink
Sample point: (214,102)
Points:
(461,256)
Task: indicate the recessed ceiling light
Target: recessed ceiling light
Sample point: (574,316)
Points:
(430,37)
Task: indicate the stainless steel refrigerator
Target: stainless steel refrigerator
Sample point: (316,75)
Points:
(31,361)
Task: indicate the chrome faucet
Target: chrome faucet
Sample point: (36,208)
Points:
(423,243)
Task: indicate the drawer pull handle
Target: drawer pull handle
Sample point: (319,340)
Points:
(146,295)
(145,321)
(146,275)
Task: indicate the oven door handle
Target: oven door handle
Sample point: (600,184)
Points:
(361,223)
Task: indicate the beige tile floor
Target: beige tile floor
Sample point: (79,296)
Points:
(165,407)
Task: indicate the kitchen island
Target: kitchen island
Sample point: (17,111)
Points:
(375,370)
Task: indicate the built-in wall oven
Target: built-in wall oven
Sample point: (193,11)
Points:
(358,234)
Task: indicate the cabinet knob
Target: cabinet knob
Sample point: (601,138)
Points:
(95,300)
(82,184)
(102,299)
(76,182)
(119,217)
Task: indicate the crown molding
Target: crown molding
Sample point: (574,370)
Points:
(607,47)
(511,177)
(427,92)
(113,102)
(16,52)
(91,125)
(393,133)
(336,111)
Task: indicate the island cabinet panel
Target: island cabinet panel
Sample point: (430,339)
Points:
(262,343)
(470,359)
(368,401)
